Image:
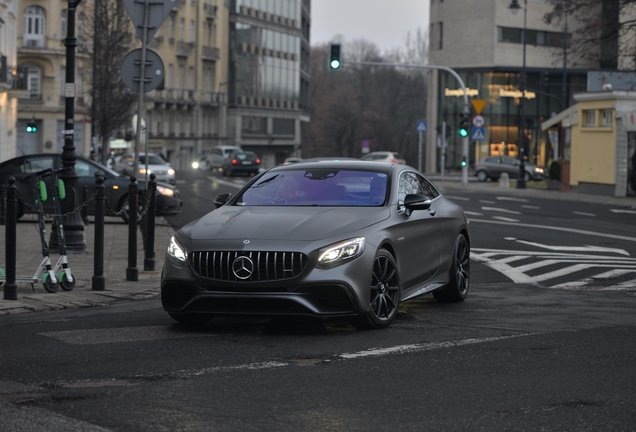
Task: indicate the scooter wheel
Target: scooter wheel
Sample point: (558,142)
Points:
(48,285)
(64,282)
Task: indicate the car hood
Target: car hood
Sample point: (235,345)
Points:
(283,223)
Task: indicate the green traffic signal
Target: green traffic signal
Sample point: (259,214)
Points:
(463,125)
(334,57)
(31,127)
(463,132)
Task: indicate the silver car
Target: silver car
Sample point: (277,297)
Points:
(325,239)
(491,167)
(156,165)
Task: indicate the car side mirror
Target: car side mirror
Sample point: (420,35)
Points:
(221,199)
(416,202)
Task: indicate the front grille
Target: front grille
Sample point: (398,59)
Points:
(265,266)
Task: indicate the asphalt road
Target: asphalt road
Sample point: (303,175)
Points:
(551,351)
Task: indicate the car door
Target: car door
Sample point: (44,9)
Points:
(510,166)
(418,234)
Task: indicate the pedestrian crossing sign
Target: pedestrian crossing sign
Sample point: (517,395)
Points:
(479,134)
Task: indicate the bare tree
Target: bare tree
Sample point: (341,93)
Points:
(112,34)
(604,32)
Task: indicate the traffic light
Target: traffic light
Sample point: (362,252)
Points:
(463,125)
(464,161)
(334,58)
(31,126)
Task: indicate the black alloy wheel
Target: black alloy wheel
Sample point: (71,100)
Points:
(457,288)
(384,293)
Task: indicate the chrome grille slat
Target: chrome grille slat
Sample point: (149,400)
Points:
(268,266)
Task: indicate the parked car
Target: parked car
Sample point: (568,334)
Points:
(116,185)
(384,156)
(214,159)
(241,162)
(491,167)
(331,239)
(156,165)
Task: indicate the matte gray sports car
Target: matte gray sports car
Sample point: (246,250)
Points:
(329,239)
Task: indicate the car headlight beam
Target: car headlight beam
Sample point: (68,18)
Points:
(176,253)
(165,191)
(340,253)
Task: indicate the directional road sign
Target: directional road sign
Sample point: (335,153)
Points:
(421,126)
(131,70)
(158,10)
(479,134)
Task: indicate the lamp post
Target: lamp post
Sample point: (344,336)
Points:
(521,181)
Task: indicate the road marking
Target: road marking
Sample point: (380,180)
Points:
(623,211)
(631,284)
(469,213)
(583,213)
(486,202)
(457,198)
(225,182)
(531,207)
(505,219)
(607,275)
(572,230)
(512,199)
(502,210)
(587,248)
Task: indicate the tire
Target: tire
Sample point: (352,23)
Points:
(64,282)
(48,285)
(384,294)
(457,288)
(482,176)
(191,318)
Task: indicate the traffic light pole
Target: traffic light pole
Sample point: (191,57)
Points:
(466,110)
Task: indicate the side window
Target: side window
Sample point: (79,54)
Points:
(83,169)
(409,183)
(33,165)
(429,190)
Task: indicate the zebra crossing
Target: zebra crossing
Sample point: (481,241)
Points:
(566,270)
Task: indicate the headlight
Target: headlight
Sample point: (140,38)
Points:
(339,253)
(195,165)
(539,170)
(142,171)
(165,191)
(171,171)
(176,253)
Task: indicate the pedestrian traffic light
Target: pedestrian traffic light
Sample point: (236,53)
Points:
(334,58)
(463,125)
(464,161)
(31,126)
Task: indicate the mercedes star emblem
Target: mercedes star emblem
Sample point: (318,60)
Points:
(243,267)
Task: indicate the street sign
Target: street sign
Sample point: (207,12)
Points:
(479,121)
(366,145)
(421,126)
(479,134)
(131,70)
(478,104)
(158,10)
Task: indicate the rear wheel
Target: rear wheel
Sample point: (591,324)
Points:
(482,176)
(457,288)
(64,282)
(191,318)
(384,294)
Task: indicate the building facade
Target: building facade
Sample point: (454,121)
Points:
(41,59)
(268,77)
(11,87)
(482,41)
(187,116)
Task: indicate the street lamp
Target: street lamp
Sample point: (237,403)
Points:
(521,181)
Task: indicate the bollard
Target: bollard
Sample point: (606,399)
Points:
(98,282)
(10,287)
(84,210)
(149,244)
(132,273)
(3,216)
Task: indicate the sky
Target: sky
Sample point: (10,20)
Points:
(382,22)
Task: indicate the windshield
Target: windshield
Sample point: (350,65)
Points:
(152,160)
(317,187)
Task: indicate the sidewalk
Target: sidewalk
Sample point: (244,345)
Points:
(29,256)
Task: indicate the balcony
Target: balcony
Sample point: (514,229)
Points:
(210,11)
(211,53)
(214,99)
(184,49)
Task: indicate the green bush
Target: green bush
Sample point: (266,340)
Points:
(555,171)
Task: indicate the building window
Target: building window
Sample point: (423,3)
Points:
(284,127)
(440,35)
(63,24)
(606,118)
(34,79)
(589,118)
(34,25)
(192,31)
(171,27)
(191,78)
(533,37)
(254,125)
(181,29)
